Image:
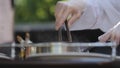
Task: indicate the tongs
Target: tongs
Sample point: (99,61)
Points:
(69,36)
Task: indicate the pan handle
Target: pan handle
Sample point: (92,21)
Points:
(69,36)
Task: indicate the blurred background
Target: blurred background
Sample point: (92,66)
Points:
(34,11)
(37,18)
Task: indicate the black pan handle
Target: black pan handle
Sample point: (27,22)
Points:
(69,36)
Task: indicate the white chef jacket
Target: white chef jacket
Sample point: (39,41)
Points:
(6,21)
(98,14)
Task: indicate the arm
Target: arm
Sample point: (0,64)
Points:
(113,13)
(98,14)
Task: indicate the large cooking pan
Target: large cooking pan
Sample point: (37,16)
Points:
(64,51)
(59,52)
(69,51)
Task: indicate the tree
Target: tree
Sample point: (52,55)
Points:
(34,10)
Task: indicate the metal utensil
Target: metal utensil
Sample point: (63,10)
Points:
(69,36)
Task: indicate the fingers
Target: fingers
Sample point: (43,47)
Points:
(61,19)
(62,14)
(63,11)
(60,7)
(115,37)
(117,40)
(110,36)
(105,37)
(73,19)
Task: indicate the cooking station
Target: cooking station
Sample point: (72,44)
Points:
(58,54)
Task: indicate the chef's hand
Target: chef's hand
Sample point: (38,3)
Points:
(72,8)
(112,35)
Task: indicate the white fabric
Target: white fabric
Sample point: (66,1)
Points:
(6,21)
(102,14)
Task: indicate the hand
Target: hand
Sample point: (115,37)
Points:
(112,35)
(67,8)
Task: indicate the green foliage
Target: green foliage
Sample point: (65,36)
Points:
(34,10)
